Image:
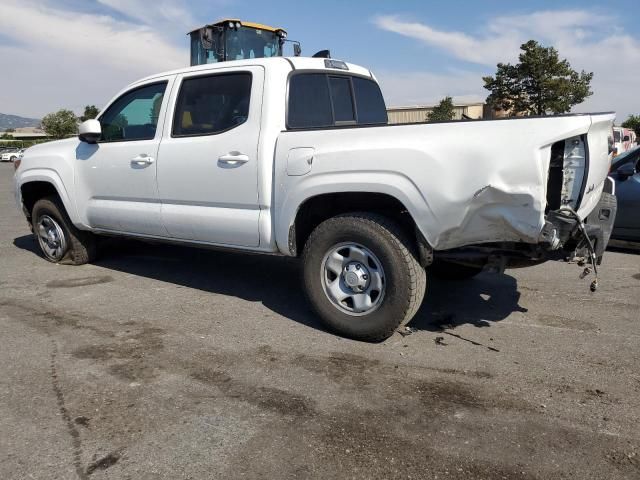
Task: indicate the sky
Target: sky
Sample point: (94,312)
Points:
(70,53)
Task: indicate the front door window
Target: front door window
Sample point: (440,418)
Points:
(134,116)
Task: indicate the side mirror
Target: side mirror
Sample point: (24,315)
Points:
(297,50)
(625,138)
(627,170)
(90,131)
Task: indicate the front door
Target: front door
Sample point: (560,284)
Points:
(116,178)
(208,158)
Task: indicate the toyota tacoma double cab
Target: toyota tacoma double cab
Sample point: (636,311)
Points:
(294,156)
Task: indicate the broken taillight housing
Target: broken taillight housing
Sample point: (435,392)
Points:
(567,169)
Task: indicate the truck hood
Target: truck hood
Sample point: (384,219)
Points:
(52,147)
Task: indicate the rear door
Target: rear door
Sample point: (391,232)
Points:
(208,159)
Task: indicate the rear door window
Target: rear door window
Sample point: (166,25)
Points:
(212,104)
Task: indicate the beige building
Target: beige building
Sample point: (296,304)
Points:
(418,113)
(27,133)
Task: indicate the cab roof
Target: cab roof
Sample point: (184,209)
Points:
(294,63)
(258,26)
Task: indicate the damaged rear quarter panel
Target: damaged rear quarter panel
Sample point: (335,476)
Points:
(463,182)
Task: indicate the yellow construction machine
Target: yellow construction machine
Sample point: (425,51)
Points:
(233,39)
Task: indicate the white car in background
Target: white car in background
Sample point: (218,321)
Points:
(11,156)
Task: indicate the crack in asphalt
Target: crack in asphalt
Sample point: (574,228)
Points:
(71,428)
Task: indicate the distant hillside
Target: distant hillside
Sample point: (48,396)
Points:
(14,121)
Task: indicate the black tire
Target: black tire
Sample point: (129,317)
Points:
(13,159)
(80,246)
(404,278)
(453,271)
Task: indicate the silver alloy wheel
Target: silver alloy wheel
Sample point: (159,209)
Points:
(353,279)
(51,238)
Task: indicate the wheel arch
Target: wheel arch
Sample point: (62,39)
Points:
(37,184)
(317,208)
(292,198)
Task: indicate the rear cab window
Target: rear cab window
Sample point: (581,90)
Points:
(321,100)
(342,99)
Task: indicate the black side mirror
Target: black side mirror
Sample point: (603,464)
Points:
(626,138)
(627,170)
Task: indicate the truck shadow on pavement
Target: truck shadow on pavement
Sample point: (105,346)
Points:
(276,282)
(477,301)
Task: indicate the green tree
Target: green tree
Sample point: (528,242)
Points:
(633,122)
(442,112)
(90,111)
(9,130)
(60,124)
(539,84)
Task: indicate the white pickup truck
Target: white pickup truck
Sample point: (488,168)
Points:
(293,156)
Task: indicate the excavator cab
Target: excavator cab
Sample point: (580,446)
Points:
(231,39)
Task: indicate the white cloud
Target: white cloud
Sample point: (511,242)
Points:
(173,13)
(68,59)
(590,41)
(459,44)
(504,34)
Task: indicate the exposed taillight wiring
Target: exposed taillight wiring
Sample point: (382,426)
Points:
(592,251)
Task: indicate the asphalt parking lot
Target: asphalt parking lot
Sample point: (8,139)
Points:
(169,362)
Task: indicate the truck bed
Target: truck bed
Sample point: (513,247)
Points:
(464,183)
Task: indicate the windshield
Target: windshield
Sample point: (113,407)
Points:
(246,42)
(616,136)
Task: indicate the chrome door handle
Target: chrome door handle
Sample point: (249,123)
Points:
(142,159)
(234,158)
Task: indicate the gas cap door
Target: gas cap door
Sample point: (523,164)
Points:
(299,161)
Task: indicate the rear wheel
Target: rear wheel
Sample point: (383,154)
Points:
(362,275)
(59,240)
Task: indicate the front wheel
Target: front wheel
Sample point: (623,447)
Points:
(362,275)
(59,240)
